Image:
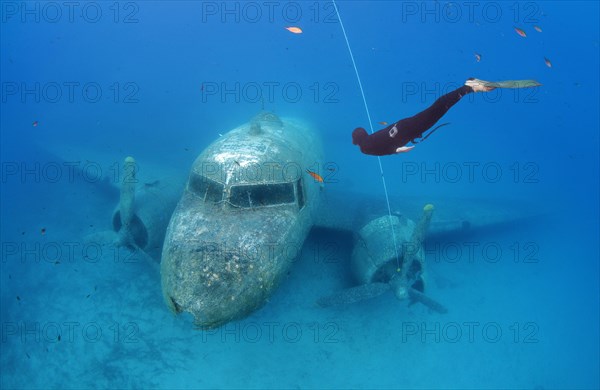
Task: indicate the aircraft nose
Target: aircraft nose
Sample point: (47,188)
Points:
(216,282)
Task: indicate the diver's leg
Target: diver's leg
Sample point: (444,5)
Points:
(413,127)
(424,120)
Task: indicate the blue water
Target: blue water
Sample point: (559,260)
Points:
(161,80)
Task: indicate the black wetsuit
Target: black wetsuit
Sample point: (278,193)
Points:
(386,141)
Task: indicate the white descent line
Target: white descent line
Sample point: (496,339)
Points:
(387,198)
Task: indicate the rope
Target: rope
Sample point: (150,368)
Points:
(362,92)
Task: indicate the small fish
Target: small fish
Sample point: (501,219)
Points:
(34,124)
(521,32)
(295,30)
(28,357)
(315,176)
(152,184)
(548,63)
(202,88)
(237,163)
(58,337)
(478,57)
(537,28)
(87,296)
(43,231)
(18,298)
(383,123)
(56,262)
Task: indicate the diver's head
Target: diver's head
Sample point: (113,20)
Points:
(358,136)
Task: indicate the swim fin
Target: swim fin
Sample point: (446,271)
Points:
(504,84)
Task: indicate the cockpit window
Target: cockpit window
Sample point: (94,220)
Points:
(300,192)
(258,195)
(205,188)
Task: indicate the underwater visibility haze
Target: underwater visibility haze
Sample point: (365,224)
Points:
(185,201)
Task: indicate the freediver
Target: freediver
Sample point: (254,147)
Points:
(394,138)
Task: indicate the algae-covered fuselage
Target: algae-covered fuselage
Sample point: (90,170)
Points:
(245,212)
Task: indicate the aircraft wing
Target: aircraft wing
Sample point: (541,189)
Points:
(349,211)
(102,167)
(338,210)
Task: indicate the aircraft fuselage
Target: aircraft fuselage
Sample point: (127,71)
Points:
(245,212)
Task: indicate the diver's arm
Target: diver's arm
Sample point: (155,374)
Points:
(404,149)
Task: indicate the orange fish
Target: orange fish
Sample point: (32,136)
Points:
(383,123)
(34,124)
(315,176)
(537,28)
(520,32)
(295,30)
(478,57)
(548,63)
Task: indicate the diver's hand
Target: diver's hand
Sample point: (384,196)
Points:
(404,149)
